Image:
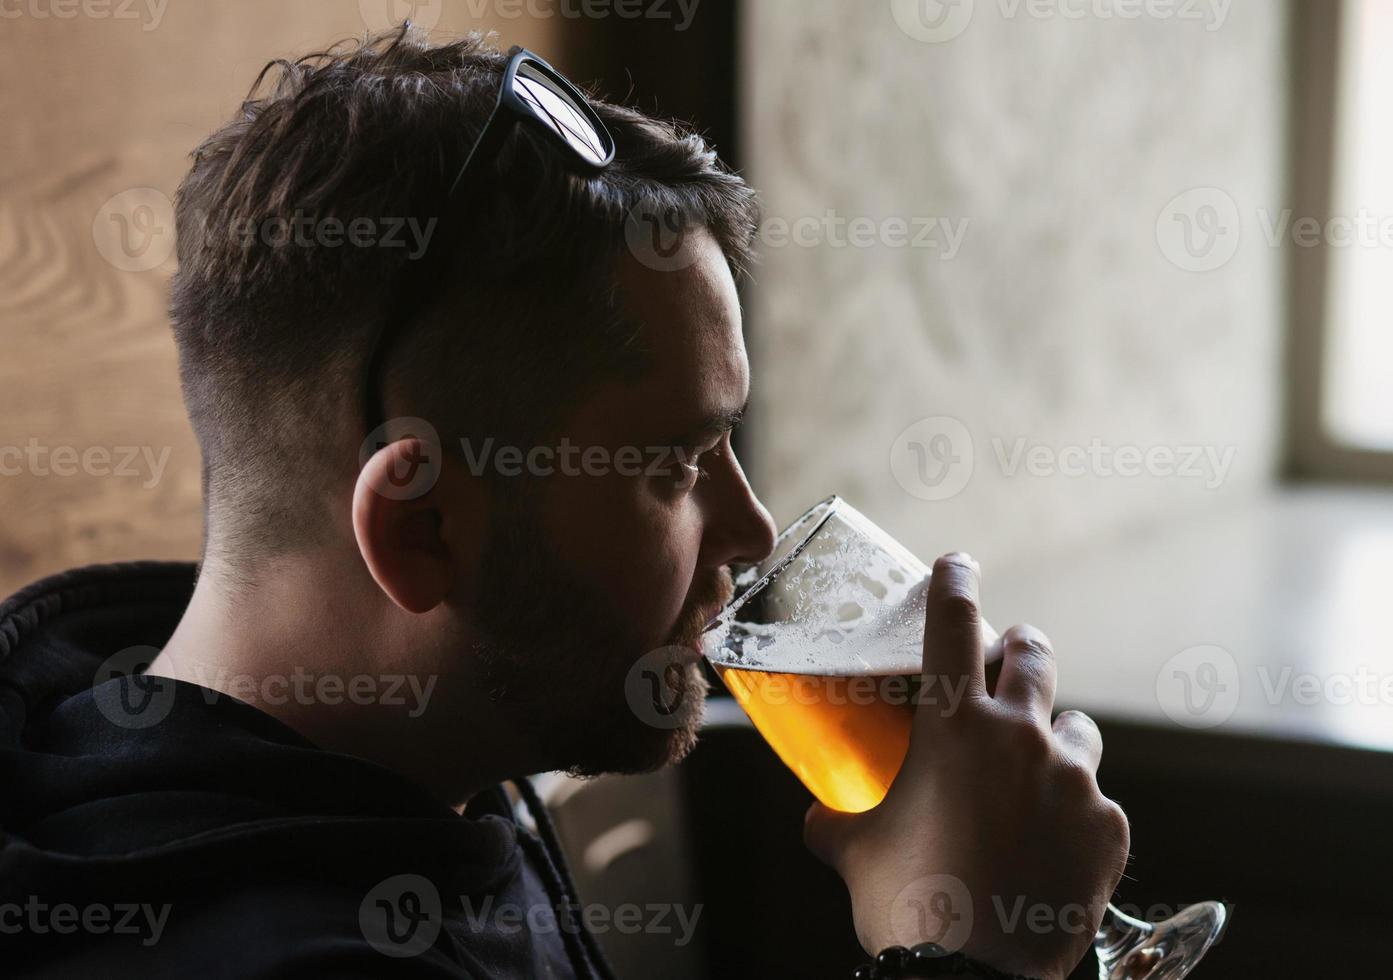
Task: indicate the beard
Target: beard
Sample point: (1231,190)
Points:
(585,693)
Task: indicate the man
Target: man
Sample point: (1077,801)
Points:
(263,801)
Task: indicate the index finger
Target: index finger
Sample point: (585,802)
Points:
(953,625)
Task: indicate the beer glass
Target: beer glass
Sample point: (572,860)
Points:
(822,647)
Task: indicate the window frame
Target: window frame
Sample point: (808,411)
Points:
(1315,118)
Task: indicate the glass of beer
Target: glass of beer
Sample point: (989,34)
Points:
(823,649)
(822,646)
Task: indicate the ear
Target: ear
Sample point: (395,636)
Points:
(419,531)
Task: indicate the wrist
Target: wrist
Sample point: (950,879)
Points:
(930,960)
(1007,959)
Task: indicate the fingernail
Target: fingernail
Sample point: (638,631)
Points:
(963,558)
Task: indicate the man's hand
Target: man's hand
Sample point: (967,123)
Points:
(994,838)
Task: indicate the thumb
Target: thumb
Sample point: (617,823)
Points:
(828,833)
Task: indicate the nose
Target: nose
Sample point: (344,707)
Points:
(739,528)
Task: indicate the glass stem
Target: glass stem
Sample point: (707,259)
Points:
(1119,933)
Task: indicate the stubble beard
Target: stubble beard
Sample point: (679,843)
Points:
(556,659)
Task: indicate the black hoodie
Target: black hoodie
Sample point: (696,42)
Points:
(164,830)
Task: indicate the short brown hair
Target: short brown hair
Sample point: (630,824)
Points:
(273,333)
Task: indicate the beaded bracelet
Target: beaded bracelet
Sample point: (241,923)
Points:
(926,960)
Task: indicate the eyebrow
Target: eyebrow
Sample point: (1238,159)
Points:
(715,424)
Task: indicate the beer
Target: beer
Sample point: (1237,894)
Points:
(823,649)
(844,737)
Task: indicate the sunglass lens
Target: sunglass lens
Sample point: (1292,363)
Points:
(557,108)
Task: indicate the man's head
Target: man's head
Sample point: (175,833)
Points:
(548,338)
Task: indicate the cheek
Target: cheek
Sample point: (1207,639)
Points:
(635,547)
(652,589)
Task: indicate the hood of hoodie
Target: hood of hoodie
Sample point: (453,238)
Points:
(94,809)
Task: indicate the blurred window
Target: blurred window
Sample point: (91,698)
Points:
(1356,403)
